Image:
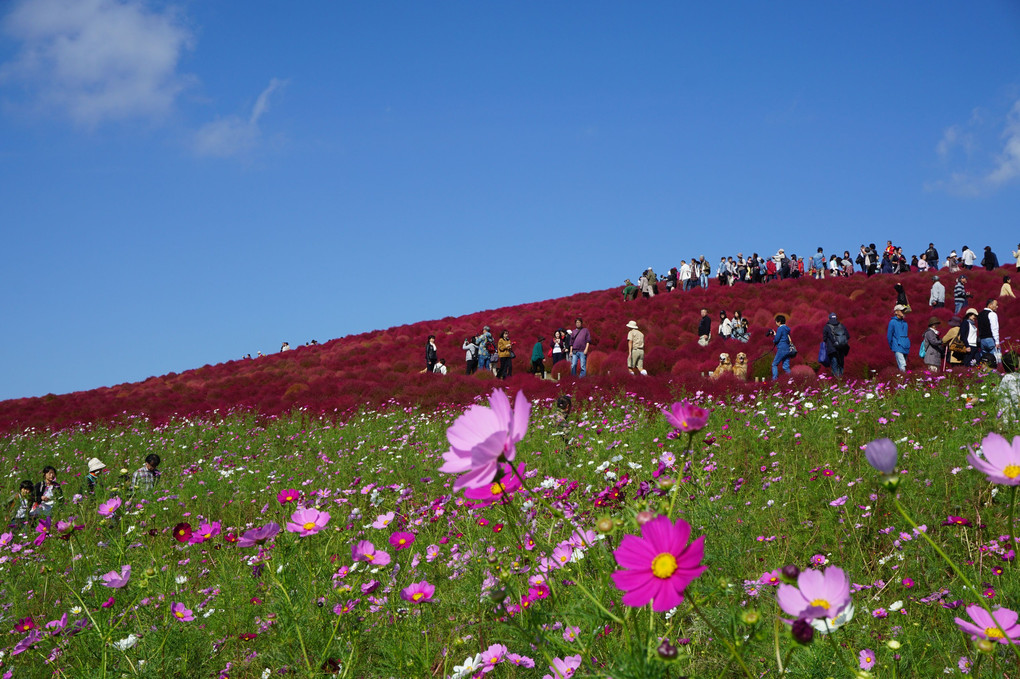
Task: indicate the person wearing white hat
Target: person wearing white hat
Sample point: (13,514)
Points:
(96,467)
(635,349)
(898,337)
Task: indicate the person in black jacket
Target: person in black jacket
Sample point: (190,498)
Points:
(431,354)
(704,328)
(837,344)
(932,256)
(989,261)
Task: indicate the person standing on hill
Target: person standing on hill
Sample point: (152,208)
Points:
(968,257)
(988,332)
(898,336)
(837,344)
(1016,256)
(704,328)
(818,264)
(486,349)
(431,354)
(931,255)
(934,348)
(470,355)
(960,294)
(538,358)
(937,298)
(505,352)
(989,261)
(635,349)
(579,345)
(1006,290)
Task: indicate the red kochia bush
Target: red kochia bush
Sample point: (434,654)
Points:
(336,377)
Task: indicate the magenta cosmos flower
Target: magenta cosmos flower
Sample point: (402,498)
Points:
(402,540)
(660,564)
(286,496)
(499,490)
(206,531)
(565,668)
(985,627)
(483,437)
(307,521)
(110,506)
(1002,460)
(818,594)
(117,580)
(258,536)
(686,416)
(182,612)
(418,592)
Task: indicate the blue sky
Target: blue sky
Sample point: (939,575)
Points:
(185,183)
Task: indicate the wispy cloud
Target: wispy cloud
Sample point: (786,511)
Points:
(235,135)
(995,170)
(97,60)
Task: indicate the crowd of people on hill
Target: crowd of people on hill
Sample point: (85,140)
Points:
(42,499)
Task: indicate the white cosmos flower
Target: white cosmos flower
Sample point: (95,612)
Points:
(826,625)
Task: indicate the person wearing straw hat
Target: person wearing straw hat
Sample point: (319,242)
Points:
(635,349)
(932,345)
(96,469)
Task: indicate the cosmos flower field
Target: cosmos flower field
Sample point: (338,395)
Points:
(745,534)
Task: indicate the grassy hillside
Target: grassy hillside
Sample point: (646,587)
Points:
(377,367)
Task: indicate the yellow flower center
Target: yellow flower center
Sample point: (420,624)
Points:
(309,525)
(664,565)
(402,541)
(683,424)
(417,596)
(179,614)
(993,633)
(496,488)
(370,557)
(821,603)
(1011,471)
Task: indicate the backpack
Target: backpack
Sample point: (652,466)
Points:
(840,337)
(924,348)
(490,347)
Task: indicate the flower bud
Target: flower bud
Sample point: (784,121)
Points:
(665,482)
(802,631)
(644,517)
(750,616)
(150,572)
(790,573)
(893,644)
(890,482)
(985,646)
(667,651)
(605,525)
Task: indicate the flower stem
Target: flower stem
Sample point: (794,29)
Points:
(720,637)
(1012,506)
(297,627)
(959,573)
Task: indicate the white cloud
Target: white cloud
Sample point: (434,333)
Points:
(235,135)
(98,60)
(998,171)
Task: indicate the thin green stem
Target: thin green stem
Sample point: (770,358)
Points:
(297,627)
(1012,506)
(720,637)
(959,573)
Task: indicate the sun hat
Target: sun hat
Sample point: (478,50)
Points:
(899,307)
(632,325)
(970,311)
(934,320)
(95,464)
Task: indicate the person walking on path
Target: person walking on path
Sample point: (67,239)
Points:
(898,336)
(580,342)
(505,352)
(989,261)
(538,358)
(933,347)
(960,294)
(782,342)
(635,349)
(988,332)
(837,344)
(470,355)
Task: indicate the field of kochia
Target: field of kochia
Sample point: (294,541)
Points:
(304,546)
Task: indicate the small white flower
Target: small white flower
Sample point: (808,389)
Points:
(181,579)
(127,642)
(895,606)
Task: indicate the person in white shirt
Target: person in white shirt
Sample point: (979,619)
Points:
(725,326)
(968,257)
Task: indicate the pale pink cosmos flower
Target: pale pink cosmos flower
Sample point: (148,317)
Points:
(984,626)
(1001,463)
(306,522)
(565,668)
(483,437)
(383,520)
(366,551)
(493,655)
(117,580)
(818,594)
(110,506)
(181,612)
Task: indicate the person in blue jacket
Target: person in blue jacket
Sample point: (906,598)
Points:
(781,340)
(899,338)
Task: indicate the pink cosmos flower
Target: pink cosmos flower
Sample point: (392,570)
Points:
(402,540)
(205,532)
(686,416)
(287,496)
(866,658)
(110,506)
(1001,463)
(818,594)
(493,655)
(258,536)
(565,668)
(24,625)
(562,555)
(306,522)
(383,520)
(522,660)
(483,437)
(366,551)
(660,564)
(772,578)
(986,627)
(501,489)
(418,592)
(181,612)
(117,580)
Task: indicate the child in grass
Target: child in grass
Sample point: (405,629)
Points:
(19,506)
